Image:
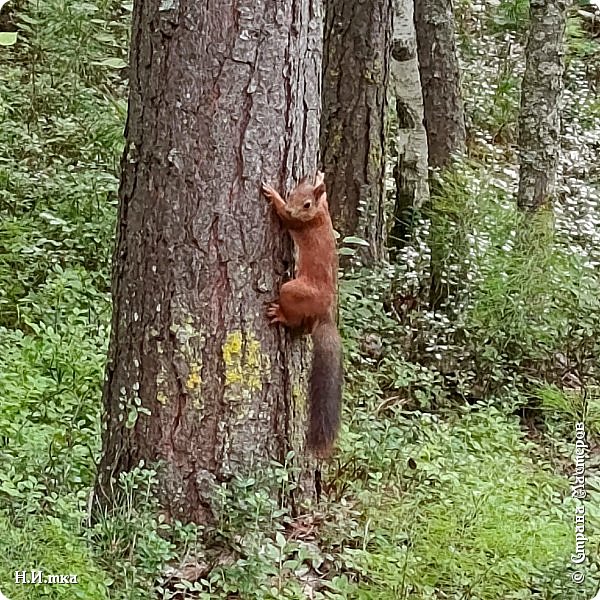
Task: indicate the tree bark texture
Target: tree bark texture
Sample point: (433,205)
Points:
(223,95)
(410,171)
(541,90)
(440,80)
(356,62)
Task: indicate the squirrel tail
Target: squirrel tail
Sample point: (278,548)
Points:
(325,394)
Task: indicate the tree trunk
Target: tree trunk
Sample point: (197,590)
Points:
(410,171)
(356,60)
(541,90)
(440,79)
(222,96)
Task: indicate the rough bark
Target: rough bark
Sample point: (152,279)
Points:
(541,90)
(410,171)
(356,60)
(440,80)
(222,96)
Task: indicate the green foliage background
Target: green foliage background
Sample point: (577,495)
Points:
(452,475)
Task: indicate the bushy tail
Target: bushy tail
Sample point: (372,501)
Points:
(325,394)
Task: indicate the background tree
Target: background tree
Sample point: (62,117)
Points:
(410,172)
(356,62)
(196,378)
(440,79)
(443,107)
(539,119)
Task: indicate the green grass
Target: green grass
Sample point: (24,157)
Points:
(48,545)
(475,516)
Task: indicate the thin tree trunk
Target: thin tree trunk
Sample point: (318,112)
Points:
(539,120)
(222,96)
(410,171)
(356,64)
(440,79)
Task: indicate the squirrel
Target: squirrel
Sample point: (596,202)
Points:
(308,303)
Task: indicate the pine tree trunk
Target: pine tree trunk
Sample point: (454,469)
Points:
(440,79)
(356,61)
(222,96)
(541,90)
(410,172)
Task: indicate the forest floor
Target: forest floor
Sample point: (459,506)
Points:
(452,477)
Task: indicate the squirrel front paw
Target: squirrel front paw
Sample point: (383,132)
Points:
(269,191)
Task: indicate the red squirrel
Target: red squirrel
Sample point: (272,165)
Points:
(308,303)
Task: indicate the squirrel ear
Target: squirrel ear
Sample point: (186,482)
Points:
(319,190)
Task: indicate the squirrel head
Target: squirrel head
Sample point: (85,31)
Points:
(307,199)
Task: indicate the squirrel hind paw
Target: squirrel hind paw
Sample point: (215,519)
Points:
(274,314)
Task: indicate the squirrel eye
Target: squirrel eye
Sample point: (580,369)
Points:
(307,204)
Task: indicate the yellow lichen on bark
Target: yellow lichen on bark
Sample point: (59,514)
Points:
(245,363)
